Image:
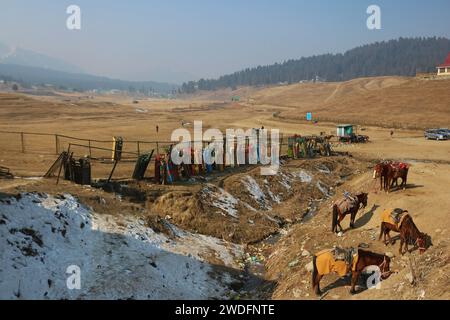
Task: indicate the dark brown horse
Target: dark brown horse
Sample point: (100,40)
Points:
(389,172)
(339,214)
(365,259)
(409,234)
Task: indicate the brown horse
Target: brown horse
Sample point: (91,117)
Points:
(380,172)
(365,259)
(339,214)
(389,172)
(409,234)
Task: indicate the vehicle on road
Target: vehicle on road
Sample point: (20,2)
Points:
(437,134)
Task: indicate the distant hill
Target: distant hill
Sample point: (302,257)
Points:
(24,57)
(28,76)
(402,57)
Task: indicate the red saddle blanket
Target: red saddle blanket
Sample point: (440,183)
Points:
(399,165)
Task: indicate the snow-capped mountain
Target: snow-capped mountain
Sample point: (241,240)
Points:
(19,56)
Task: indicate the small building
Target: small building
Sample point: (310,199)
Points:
(344,130)
(444,69)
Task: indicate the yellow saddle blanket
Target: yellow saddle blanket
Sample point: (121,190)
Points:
(386,216)
(326,263)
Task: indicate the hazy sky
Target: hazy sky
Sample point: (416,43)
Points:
(182,39)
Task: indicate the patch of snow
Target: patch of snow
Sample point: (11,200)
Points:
(323,168)
(140,110)
(256,192)
(221,199)
(323,188)
(285,181)
(304,176)
(42,235)
(274,197)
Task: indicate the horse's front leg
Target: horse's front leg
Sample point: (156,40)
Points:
(352,219)
(355,276)
(339,224)
(388,232)
(406,245)
(387,185)
(402,240)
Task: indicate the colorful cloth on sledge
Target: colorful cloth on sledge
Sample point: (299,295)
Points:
(326,263)
(388,217)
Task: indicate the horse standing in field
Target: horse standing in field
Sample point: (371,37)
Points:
(348,205)
(325,263)
(409,233)
(389,172)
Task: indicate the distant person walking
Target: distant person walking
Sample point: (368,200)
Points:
(392,134)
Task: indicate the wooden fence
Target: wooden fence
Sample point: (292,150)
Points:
(54,144)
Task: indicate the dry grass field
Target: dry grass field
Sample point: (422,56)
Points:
(376,105)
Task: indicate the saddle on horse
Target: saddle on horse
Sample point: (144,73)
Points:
(339,260)
(397,166)
(394,216)
(344,254)
(347,203)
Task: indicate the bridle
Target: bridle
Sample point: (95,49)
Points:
(383,266)
(417,243)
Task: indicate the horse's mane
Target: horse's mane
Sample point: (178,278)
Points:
(410,220)
(370,254)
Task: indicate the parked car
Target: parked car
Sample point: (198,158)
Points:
(446,132)
(437,134)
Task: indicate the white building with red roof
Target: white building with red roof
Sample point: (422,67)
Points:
(444,69)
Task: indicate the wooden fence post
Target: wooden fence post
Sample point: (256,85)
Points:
(281,144)
(138,149)
(23,141)
(57,144)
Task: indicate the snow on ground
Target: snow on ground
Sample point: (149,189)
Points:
(287,179)
(303,175)
(221,199)
(323,188)
(42,235)
(256,193)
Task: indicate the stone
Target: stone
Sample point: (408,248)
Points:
(309,267)
(293,263)
(297,293)
(409,277)
(305,253)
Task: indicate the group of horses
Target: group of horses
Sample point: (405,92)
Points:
(389,173)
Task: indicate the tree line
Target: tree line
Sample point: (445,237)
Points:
(400,57)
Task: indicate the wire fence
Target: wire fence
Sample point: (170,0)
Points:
(54,144)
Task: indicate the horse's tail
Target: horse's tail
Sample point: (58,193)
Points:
(334,218)
(314,272)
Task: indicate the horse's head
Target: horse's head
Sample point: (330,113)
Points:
(377,170)
(423,242)
(363,198)
(380,168)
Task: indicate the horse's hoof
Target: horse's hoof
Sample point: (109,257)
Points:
(352,292)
